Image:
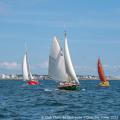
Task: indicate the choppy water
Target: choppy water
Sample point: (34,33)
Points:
(19,101)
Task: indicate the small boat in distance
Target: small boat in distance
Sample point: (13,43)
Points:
(60,66)
(104,81)
(27,75)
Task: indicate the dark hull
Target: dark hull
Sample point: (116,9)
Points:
(73,87)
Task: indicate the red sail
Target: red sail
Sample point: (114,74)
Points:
(101,71)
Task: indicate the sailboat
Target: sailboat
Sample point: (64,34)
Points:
(27,75)
(60,66)
(104,81)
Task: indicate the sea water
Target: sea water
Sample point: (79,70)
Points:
(19,101)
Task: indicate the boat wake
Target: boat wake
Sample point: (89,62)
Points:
(83,89)
(56,89)
(48,89)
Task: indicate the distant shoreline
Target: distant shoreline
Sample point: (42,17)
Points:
(52,79)
(46,77)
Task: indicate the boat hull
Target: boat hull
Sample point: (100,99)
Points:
(32,82)
(70,87)
(104,84)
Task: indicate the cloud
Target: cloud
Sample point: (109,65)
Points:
(106,66)
(114,67)
(109,69)
(93,23)
(112,70)
(95,19)
(10,65)
(86,70)
(99,21)
(43,65)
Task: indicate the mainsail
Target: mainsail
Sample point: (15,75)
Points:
(56,62)
(26,69)
(101,71)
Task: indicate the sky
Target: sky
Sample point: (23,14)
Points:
(93,30)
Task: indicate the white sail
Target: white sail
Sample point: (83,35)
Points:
(56,62)
(26,72)
(68,63)
(31,77)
